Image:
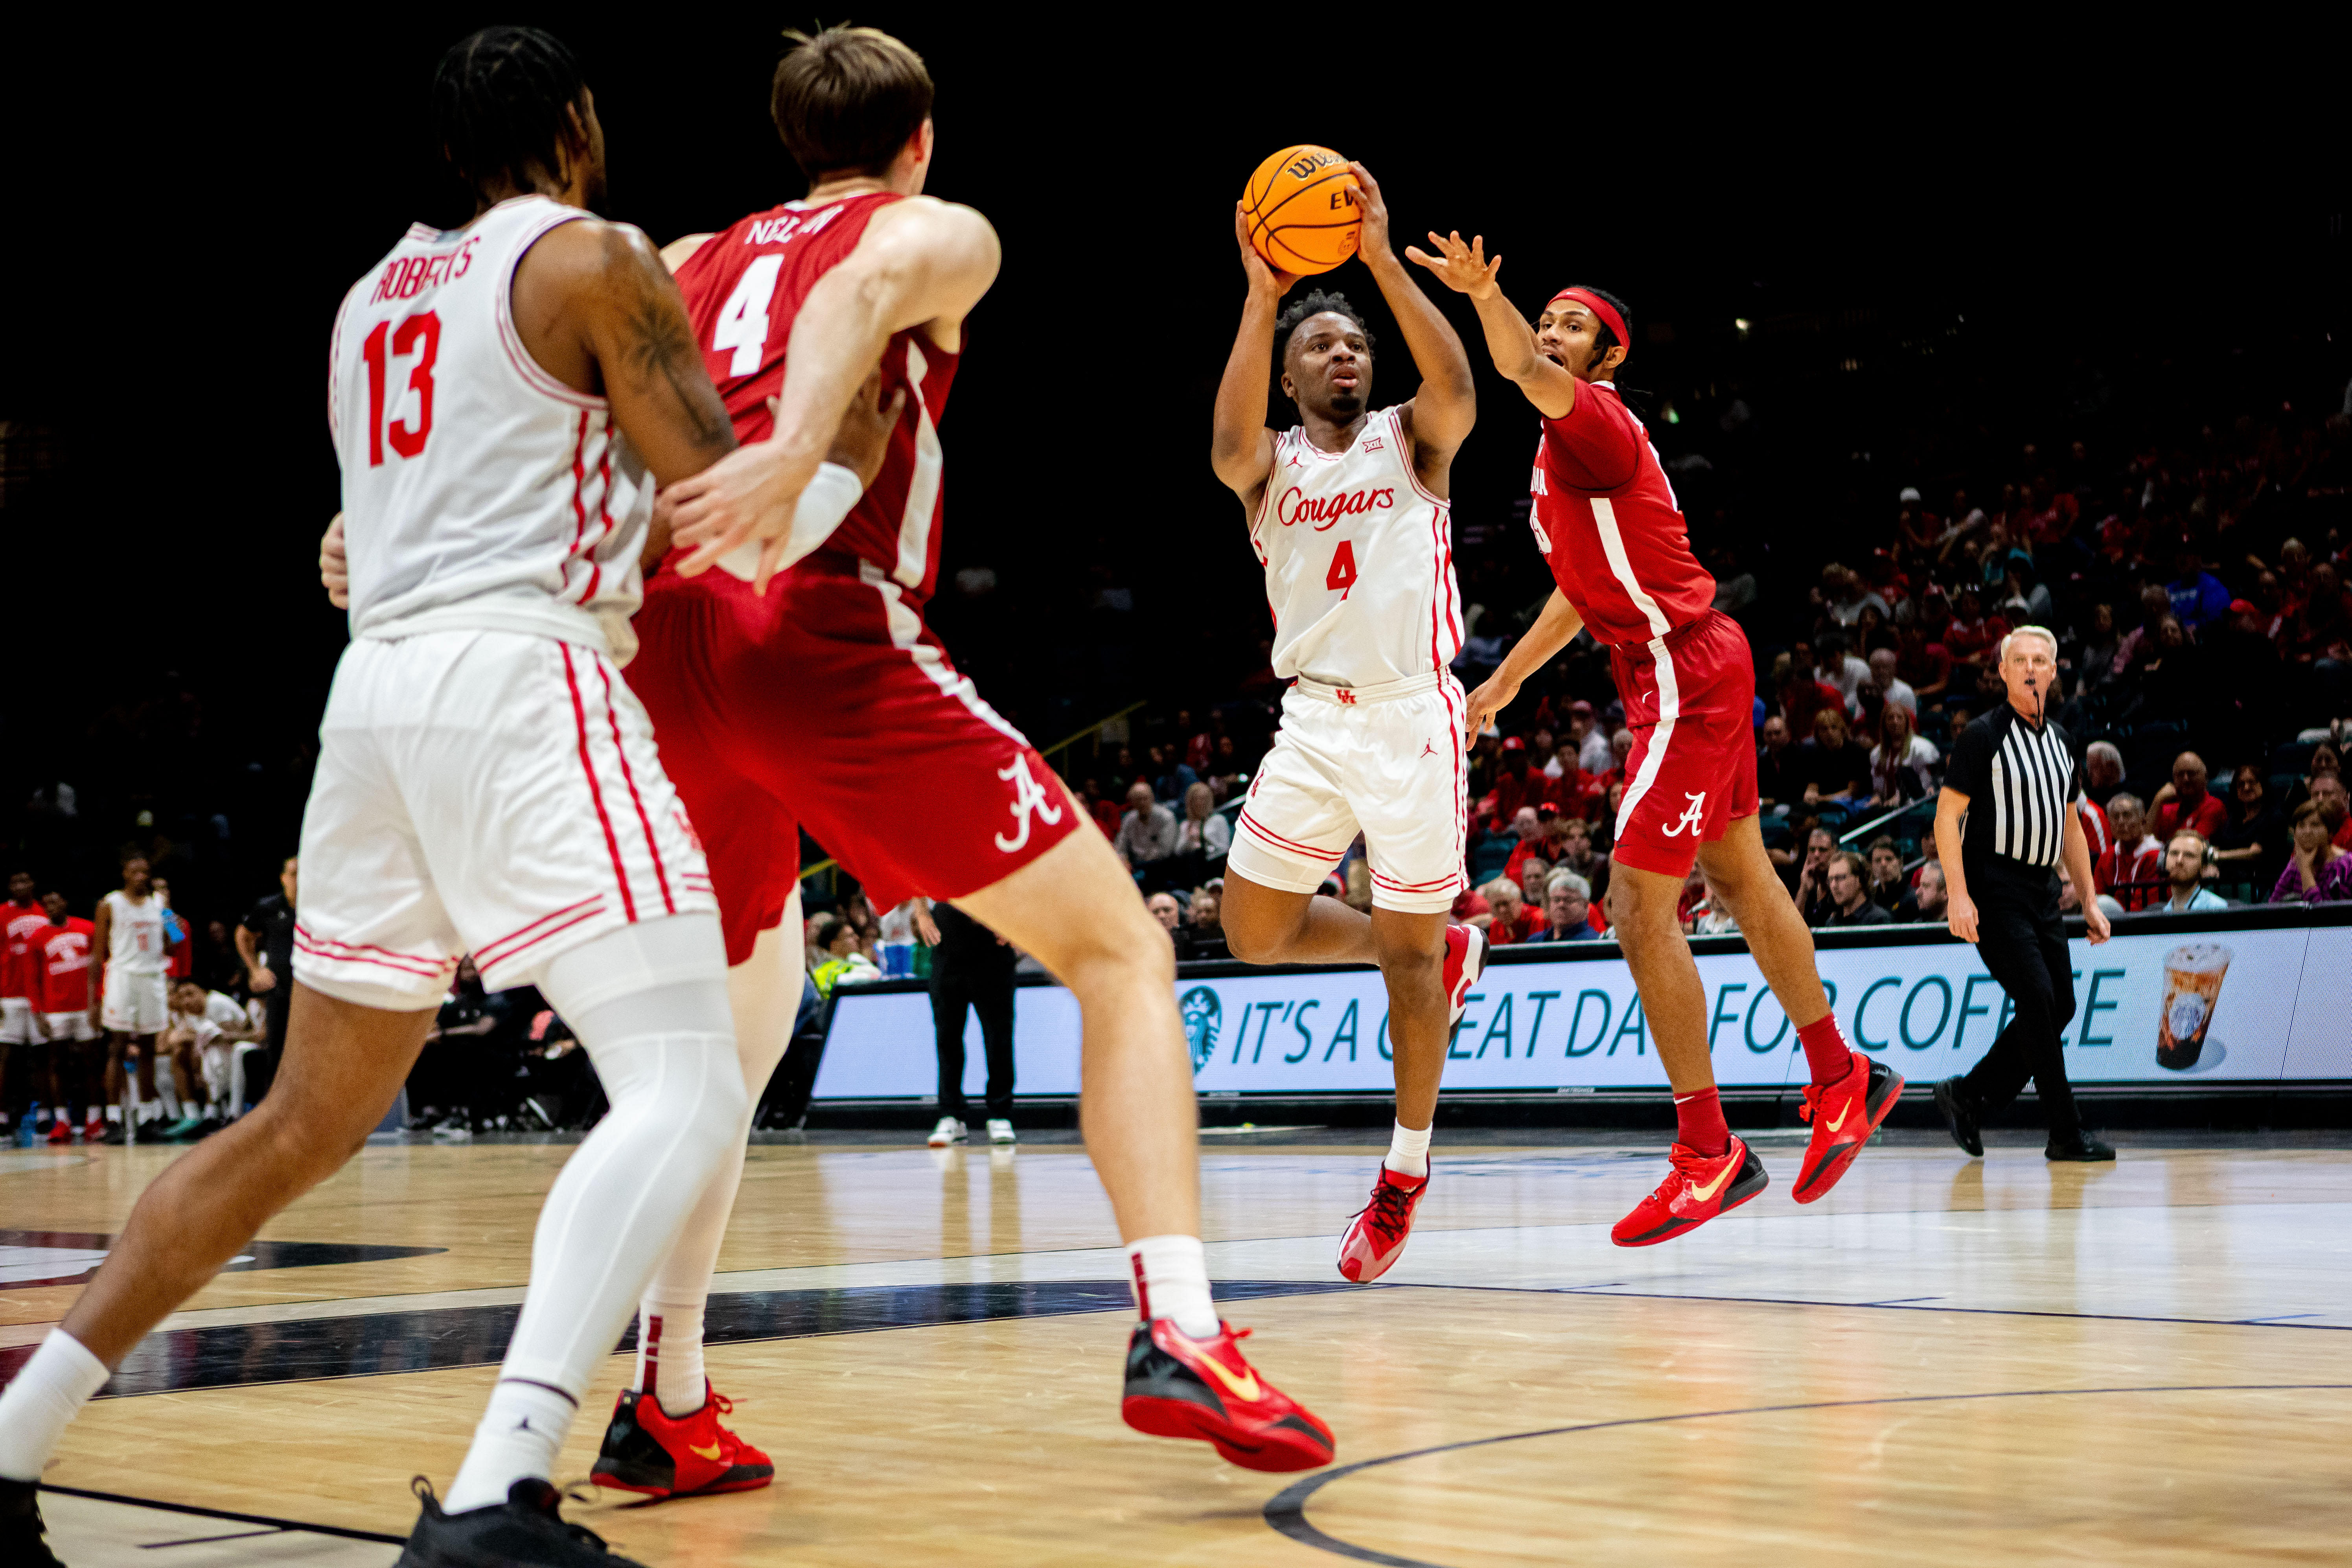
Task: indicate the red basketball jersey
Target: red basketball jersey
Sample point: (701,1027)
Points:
(61,962)
(1608,524)
(743,290)
(19,924)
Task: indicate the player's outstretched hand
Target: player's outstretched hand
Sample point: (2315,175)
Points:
(1493,695)
(1263,280)
(335,565)
(1461,268)
(751,493)
(1373,210)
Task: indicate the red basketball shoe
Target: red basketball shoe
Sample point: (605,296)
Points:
(1466,960)
(1700,1187)
(1177,1386)
(647,1451)
(60,1130)
(1376,1240)
(1845,1114)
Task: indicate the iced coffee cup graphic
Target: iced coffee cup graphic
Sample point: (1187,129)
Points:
(2192,987)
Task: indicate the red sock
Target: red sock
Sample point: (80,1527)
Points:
(1699,1121)
(1826,1052)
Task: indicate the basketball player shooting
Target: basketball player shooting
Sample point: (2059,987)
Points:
(793,683)
(503,397)
(1608,524)
(1347,514)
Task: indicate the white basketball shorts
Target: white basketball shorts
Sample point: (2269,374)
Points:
(1387,759)
(490,793)
(133,1003)
(16,1021)
(69,1027)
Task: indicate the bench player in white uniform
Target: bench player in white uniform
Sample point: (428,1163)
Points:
(131,1004)
(499,394)
(1347,513)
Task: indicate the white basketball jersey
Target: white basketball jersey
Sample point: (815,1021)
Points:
(1358,560)
(135,936)
(478,491)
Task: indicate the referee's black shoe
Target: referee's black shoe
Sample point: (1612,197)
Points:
(1960,1116)
(2077,1145)
(525,1529)
(22,1536)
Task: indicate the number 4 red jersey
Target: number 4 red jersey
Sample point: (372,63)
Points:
(743,290)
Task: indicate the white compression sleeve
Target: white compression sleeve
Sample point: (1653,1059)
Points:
(819,512)
(649,1005)
(764,993)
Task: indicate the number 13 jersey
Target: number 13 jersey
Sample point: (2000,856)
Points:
(1358,560)
(478,491)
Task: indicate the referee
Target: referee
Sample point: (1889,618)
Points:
(1999,865)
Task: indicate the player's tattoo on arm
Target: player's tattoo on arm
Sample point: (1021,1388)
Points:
(657,347)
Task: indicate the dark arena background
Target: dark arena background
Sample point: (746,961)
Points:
(1947,303)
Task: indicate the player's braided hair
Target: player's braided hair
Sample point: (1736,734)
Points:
(498,102)
(1314,303)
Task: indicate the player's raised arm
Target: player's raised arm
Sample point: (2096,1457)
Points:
(921,262)
(1241,447)
(1441,414)
(1553,630)
(1465,270)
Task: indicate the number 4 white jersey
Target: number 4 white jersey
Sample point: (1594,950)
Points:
(1358,560)
(478,491)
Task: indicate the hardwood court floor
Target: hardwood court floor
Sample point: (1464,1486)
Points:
(1947,1360)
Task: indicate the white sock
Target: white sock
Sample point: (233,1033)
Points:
(1409,1151)
(1171,1281)
(649,1003)
(763,995)
(519,1437)
(114,1113)
(42,1400)
(669,1355)
(167,1095)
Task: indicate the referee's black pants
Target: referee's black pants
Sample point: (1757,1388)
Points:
(2022,940)
(987,991)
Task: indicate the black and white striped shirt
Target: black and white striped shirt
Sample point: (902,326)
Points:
(2022,781)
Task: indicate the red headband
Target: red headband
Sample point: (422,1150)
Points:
(1601,307)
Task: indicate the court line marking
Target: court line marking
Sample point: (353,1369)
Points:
(208,1540)
(263,1518)
(1907,1306)
(1286,1511)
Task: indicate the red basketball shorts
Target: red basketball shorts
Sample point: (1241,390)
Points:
(1690,699)
(829,705)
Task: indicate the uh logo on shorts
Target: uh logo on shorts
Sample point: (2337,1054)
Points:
(1028,795)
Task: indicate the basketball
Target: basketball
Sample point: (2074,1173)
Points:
(1301,204)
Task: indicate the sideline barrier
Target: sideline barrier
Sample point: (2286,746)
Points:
(2247,997)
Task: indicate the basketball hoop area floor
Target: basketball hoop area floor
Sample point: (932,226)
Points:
(1947,1361)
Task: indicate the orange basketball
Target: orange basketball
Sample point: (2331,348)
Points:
(1301,204)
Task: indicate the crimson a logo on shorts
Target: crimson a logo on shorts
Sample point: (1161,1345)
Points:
(1324,512)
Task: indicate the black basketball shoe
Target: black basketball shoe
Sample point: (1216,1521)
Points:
(23,1539)
(2078,1145)
(1959,1115)
(523,1530)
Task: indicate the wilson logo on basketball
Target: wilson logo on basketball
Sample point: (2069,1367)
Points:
(1322,513)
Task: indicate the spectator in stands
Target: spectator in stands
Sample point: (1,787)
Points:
(1886,674)
(1849,889)
(1534,878)
(1570,842)
(1104,810)
(1510,921)
(1515,787)
(2103,771)
(1203,935)
(2196,596)
(2185,804)
(1973,634)
(1568,909)
(2095,666)
(2251,838)
(1778,782)
(1834,767)
(2184,876)
(1203,836)
(2335,804)
(1890,890)
(1904,765)
(2317,871)
(1526,831)
(1592,754)
(1166,911)
(1926,663)
(1146,834)
(833,956)
(1813,889)
(1840,670)
(1930,897)
(1843,594)
(2132,873)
